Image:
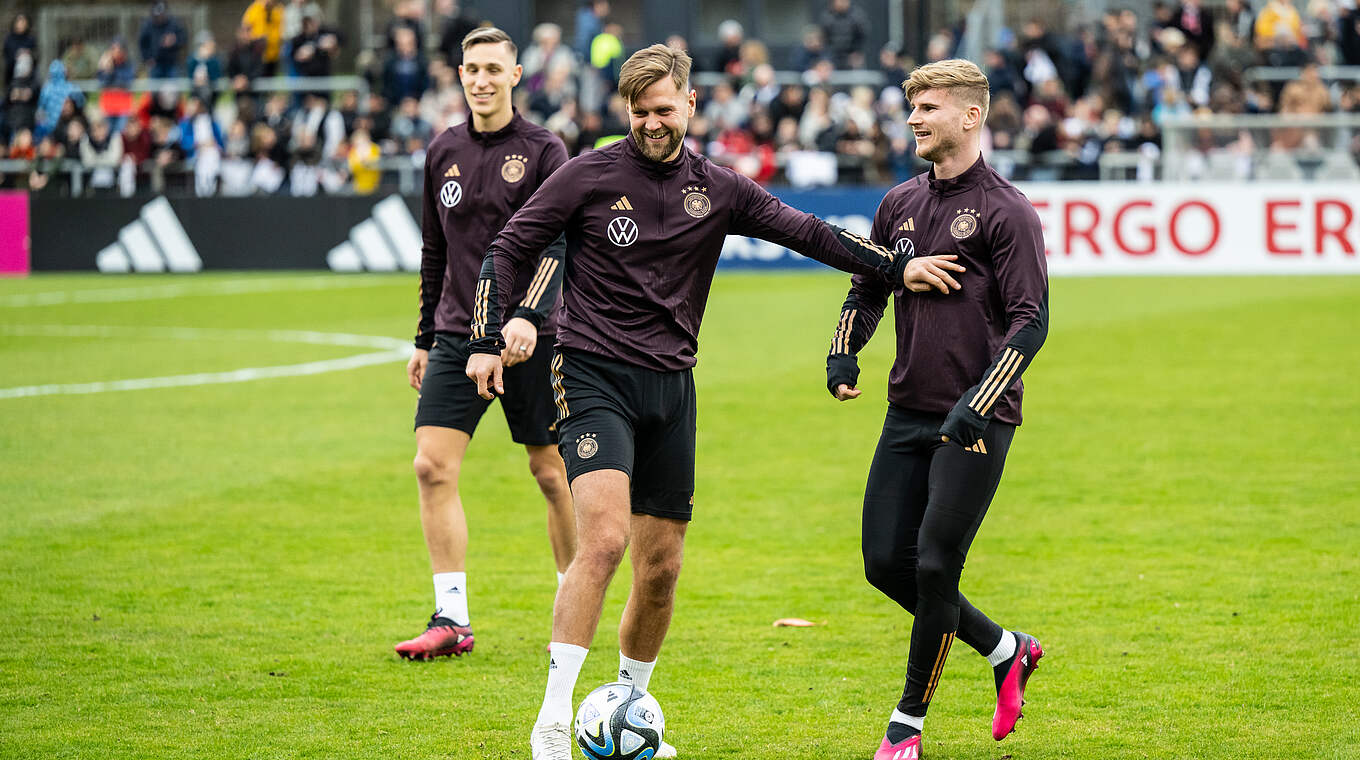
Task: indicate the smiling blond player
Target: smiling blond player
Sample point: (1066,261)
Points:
(953,392)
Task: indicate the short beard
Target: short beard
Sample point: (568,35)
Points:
(644,145)
(943,148)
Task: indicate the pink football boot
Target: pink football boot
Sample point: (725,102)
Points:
(1010,686)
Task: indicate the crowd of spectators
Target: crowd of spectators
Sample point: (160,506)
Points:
(1065,97)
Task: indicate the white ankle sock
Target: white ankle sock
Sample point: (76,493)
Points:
(635,672)
(564,666)
(910,720)
(1005,649)
(560,576)
(450,597)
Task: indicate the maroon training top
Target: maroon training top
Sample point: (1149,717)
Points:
(474,181)
(964,351)
(643,240)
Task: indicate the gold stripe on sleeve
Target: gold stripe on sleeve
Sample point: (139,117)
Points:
(840,342)
(540,284)
(875,247)
(538,277)
(849,330)
(479,308)
(1001,386)
(997,370)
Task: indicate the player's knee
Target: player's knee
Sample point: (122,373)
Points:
(658,576)
(883,571)
(894,578)
(602,550)
(434,470)
(551,475)
(936,575)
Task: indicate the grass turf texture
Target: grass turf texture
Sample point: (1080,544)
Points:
(221,571)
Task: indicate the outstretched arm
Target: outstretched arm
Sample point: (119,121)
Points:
(757,213)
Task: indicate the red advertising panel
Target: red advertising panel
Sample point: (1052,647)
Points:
(14,261)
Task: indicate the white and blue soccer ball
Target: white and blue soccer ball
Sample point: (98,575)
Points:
(614,723)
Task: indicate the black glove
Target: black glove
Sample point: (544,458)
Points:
(841,369)
(963,425)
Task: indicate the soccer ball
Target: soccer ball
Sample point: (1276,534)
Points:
(613,723)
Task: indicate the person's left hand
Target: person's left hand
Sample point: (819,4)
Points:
(521,338)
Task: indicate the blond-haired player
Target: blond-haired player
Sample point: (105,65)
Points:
(953,392)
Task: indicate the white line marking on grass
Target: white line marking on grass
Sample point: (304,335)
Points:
(191,288)
(391,350)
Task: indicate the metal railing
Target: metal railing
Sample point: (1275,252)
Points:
(98,23)
(70,176)
(1234,147)
(838,78)
(1290,73)
(263,84)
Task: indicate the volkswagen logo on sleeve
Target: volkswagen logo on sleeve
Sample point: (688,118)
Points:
(623,231)
(450,193)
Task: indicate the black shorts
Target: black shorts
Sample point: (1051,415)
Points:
(448,397)
(616,416)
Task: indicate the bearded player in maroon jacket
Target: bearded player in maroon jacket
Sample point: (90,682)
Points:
(476,175)
(953,393)
(645,220)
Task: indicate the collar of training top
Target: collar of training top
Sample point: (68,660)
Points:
(498,135)
(655,168)
(958,184)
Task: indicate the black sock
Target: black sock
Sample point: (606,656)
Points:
(898,732)
(999,671)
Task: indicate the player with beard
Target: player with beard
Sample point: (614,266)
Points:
(476,175)
(953,392)
(645,220)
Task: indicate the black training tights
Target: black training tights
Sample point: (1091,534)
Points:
(922,506)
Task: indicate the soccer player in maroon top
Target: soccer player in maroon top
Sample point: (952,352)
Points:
(476,175)
(954,390)
(645,220)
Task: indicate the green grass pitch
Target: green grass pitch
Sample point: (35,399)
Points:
(220,571)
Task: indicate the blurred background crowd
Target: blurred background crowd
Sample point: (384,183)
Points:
(271,110)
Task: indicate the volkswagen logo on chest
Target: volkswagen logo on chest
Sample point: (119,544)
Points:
(450,194)
(623,231)
(906,247)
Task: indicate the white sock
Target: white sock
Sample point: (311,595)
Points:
(564,666)
(560,576)
(635,672)
(911,720)
(450,597)
(1005,649)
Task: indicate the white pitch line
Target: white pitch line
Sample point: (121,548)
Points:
(190,288)
(391,350)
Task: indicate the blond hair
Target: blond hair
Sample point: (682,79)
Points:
(489,35)
(961,78)
(648,66)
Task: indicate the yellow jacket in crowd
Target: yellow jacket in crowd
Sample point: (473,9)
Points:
(265,19)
